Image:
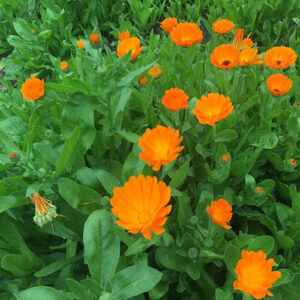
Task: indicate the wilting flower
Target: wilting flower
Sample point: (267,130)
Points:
(212,108)
(220,212)
(222,26)
(79,43)
(293,162)
(124,35)
(239,41)
(255,275)
(248,57)
(155,70)
(280,57)
(279,84)
(143,80)
(141,205)
(33,88)
(160,146)
(64,65)
(94,38)
(131,44)
(168,24)
(12,155)
(225,57)
(186,34)
(175,99)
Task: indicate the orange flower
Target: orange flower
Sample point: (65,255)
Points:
(220,212)
(293,162)
(155,70)
(32,31)
(80,44)
(141,205)
(175,99)
(12,155)
(94,38)
(225,157)
(247,57)
(33,88)
(143,80)
(279,84)
(259,190)
(222,26)
(225,57)
(239,41)
(212,108)
(280,57)
(3,88)
(64,65)
(186,34)
(131,44)
(168,24)
(124,35)
(255,275)
(160,146)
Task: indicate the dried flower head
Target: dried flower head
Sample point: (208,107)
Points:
(222,26)
(239,41)
(33,88)
(131,44)
(168,24)
(141,205)
(220,212)
(248,57)
(293,162)
(175,99)
(79,43)
(186,34)
(225,57)
(279,84)
(124,35)
(143,80)
(280,57)
(94,38)
(64,65)
(156,71)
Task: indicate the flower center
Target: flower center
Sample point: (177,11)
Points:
(276,90)
(226,63)
(278,62)
(144,217)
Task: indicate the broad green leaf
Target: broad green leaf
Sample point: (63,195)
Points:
(227,135)
(42,293)
(232,255)
(108,181)
(122,102)
(223,295)
(9,201)
(179,177)
(78,289)
(23,29)
(128,136)
(264,243)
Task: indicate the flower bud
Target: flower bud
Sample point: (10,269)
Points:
(194,220)
(41,173)
(193,252)
(106,296)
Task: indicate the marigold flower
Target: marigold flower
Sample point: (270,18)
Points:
(124,35)
(212,108)
(280,57)
(186,34)
(175,99)
(255,275)
(222,26)
(94,38)
(64,65)
(141,205)
(225,157)
(168,24)
(32,30)
(12,155)
(259,190)
(220,212)
(279,84)
(155,70)
(160,146)
(3,88)
(79,43)
(239,41)
(131,44)
(143,80)
(247,57)
(225,57)
(293,162)
(33,88)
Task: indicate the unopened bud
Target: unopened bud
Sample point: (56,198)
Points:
(106,296)
(193,252)
(194,220)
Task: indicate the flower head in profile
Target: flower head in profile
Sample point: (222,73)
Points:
(212,108)
(160,146)
(186,34)
(220,212)
(175,99)
(248,57)
(64,65)
(255,275)
(143,80)
(222,26)
(131,44)
(280,57)
(94,38)
(225,57)
(239,41)
(33,88)
(80,45)
(279,84)
(155,71)
(168,24)
(141,205)
(124,35)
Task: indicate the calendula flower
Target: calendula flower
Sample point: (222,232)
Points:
(220,212)
(79,43)
(3,88)
(64,65)
(33,88)
(212,108)
(259,190)
(239,41)
(156,71)
(143,80)
(160,146)
(168,24)
(225,57)
(293,162)
(124,35)
(94,38)
(225,157)
(248,57)
(131,44)
(222,26)
(186,34)
(280,57)
(175,99)
(12,155)
(141,205)
(255,275)
(279,84)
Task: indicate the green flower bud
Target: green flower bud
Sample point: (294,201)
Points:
(208,243)
(194,220)
(106,296)
(193,252)
(41,173)
(102,69)
(48,132)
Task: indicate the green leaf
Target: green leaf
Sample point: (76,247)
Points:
(78,289)
(9,201)
(223,295)
(179,177)
(232,255)
(122,102)
(265,243)
(42,292)
(23,29)
(227,135)
(264,139)
(128,136)
(108,181)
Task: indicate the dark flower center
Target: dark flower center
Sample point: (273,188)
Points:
(278,62)
(276,90)
(226,63)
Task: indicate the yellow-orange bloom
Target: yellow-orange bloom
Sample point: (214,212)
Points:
(141,205)
(131,44)
(279,84)
(220,212)
(239,41)
(255,275)
(143,80)
(212,108)
(160,146)
(293,162)
(168,24)
(222,26)
(248,57)
(175,99)
(94,38)
(186,34)
(33,88)
(280,57)
(64,65)
(155,70)
(79,43)
(225,57)
(124,35)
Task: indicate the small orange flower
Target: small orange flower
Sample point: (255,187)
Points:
(168,24)
(279,84)
(186,34)
(143,80)
(79,43)
(222,26)
(280,57)
(94,38)
(212,108)
(225,157)
(131,44)
(247,57)
(12,155)
(239,41)
(32,31)
(255,275)
(175,99)
(225,57)
(33,88)
(124,35)
(141,205)
(259,190)
(64,65)
(160,146)
(220,212)
(155,70)
(293,162)
(3,88)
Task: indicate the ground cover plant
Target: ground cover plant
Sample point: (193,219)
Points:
(149,150)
